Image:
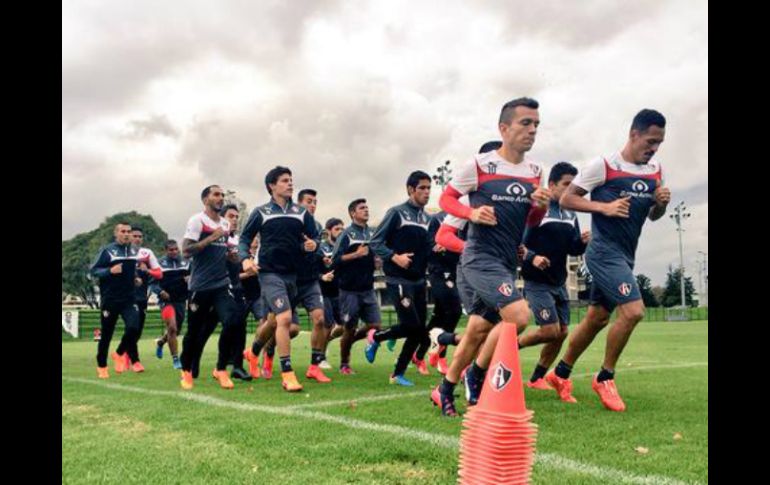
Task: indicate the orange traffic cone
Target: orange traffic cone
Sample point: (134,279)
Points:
(497,444)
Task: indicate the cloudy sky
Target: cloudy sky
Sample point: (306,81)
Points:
(160,99)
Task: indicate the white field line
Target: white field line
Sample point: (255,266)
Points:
(548,460)
(426,392)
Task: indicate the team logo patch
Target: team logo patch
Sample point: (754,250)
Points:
(345,317)
(406,302)
(492,168)
(500,377)
(193,307)
(640,186)
(625,289)
(506,289)
(294,209)
(278,302)
(516,189)
(105,314)
(545,314)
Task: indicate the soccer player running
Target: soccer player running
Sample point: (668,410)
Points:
(172,293)
(544,269)
(502,187)
(354,264)
(287,231)
(401,240)
(147,266)
(626,189)
(309,292)
(451,234)
(234,270)
(330,288)
(115,268)
(447,309)
(211,299)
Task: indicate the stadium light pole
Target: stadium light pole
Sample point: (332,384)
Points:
(679,216)
(703,266)
(444,175)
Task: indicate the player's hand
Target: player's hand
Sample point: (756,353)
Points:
(541,196)
(143,267)
(117,269)
(484,215)
(403,260)
(328,276)
(585,236)
(362,251)
(618,207)
(218,234)
(249,266)
(309,244)
(164,295)
(541,262)
(662,196)
(438,248)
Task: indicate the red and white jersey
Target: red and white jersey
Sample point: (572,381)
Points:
(490,180)
(208,269)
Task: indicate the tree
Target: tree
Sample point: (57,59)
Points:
(78,253)
(672,295)
(645,287)
(658,292)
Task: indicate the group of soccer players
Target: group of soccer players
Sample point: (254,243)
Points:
(497,216)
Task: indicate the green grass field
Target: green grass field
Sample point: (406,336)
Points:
(142,428)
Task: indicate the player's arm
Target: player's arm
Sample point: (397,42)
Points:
(155,271)
(662,198)
(250,230)
(190,244)
(386,227)
(340,246)
(101,265)
(310,234)
(587,179)
(446,236)
(579,241)
(464,182)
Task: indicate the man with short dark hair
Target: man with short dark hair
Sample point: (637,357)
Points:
(146,267)
(211,298)
(232,214)
(502,187)
(544,269)
(330,288)
(309,293)
(115,267)
(354,268)
(401,240)
(287,231)
(172,292)
(626,189)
